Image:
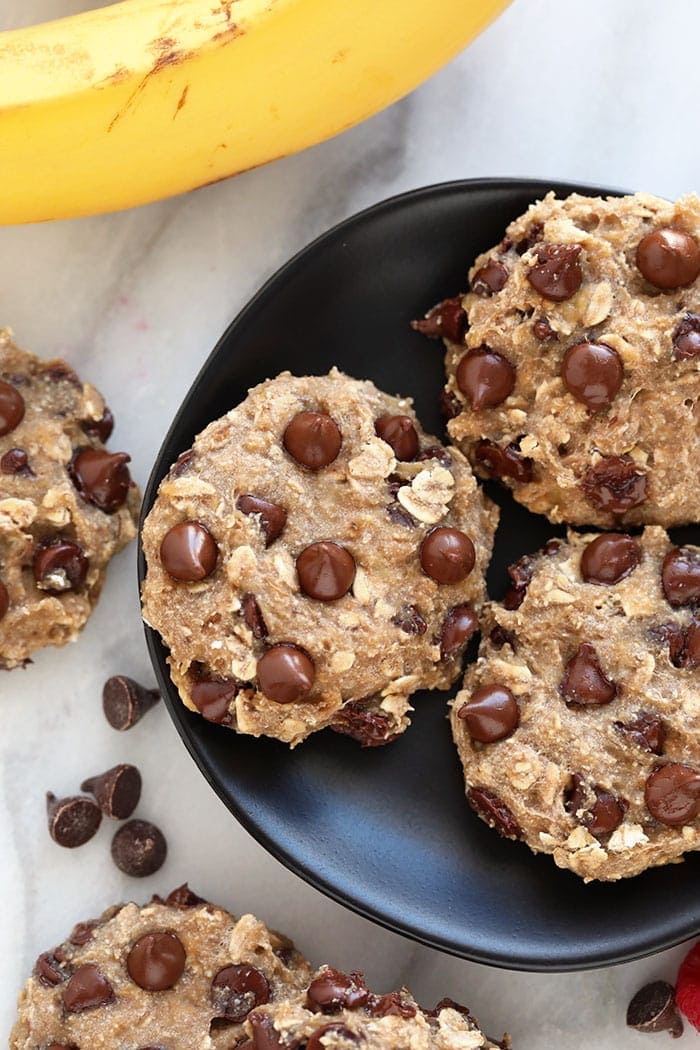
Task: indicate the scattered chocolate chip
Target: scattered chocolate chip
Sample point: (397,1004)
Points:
(447,555)
(490,714)
(686,338)
(400,434)
(265,1035)
(653,1009)
(447,320)
(459,625)
(485,377)
(495,812)
(543,330)
(87,989)
(117,792)
(181,464)
(410,620)
(672,794)
(680,576)
(505,462)
(285,673)
(254,619)
(500,636)
(139,848)
(60,565)
(390,1005)
(557,274)
(449,404)
(668,258)
(100,428)
(333,991)
(314,1042)
(400,516)
(272,517)
(489,279)
(48,969)
(593,373)
(584,682)
(313,439)
(238,989)
(72,821)
(610,558)
(11,408)
(156,961)
(82,932)
(14,462)
(614,484)
(4,600)
(102,478)
(125,702)
(645,730)
(189,552)
(213,696)
(363,722)
(597,809)
(326,571)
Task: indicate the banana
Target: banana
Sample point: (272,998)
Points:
(147,98)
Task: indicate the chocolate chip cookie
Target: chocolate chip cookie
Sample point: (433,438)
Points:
(579,726)
(573,362)
(314,560)
(67,505)
(182,974)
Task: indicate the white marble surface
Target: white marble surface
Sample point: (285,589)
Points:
(595,91)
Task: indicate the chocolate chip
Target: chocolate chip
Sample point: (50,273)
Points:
(213,696)
(11,408)
(668,258)
(156,961)
(557,274)
(60,372)
(490,714)
(449,404)
(125,702)
(189,552)
(438,452)
(495,812)
(485,377)
(532,236)
(489,279)
(390,1005)
(521,574)
(610,558)
(60,565)
(459,625)
(447,320)
(285,673)
(447,555)
(680,576)
(543,330)
(448,1004)
(593,373)
(597,809)
(117,792)
(614,485)
(645,730)
(72,821)
(49,971)
(326,571)
(83,932)
(341,1031)
(400,516)
(265,1035)
(238,989)
(672,794)
(16,462)
(272,517)
(333,991)
(500,636)
(691,653)
(653,1009)
(139,848)
(400,433)
(686,338)
(100,428)
(363,722)
(102,478)
(254,619)
(313,439)
(410,621)
(182,897)
(4,600)
(181,464)
(505,462)
(584,682)
(87,989)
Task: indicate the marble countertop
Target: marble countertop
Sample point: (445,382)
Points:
(591,91)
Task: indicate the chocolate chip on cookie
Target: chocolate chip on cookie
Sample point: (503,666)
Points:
(485,377)
(238,989)
(156,961)
(447,555)
(593,373)
(285,673)
(272,517)
(668,258)
(189,552)
(326,571)
(313,439)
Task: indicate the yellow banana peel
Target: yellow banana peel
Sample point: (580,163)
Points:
(148,98)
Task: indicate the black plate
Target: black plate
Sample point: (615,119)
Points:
(387,832)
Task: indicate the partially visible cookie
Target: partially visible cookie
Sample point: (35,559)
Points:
(573,363)
(66,504)
(579,725)
(314,560)
(182,974)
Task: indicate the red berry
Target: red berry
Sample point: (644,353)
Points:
(688,986)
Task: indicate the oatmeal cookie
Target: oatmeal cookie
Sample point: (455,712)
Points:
(573,363)
(579,725)
(67,505)
(314,560)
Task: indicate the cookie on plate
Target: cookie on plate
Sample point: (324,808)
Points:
(67,505)
(182,974)
(573,363)
(314,560)
(579,725)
